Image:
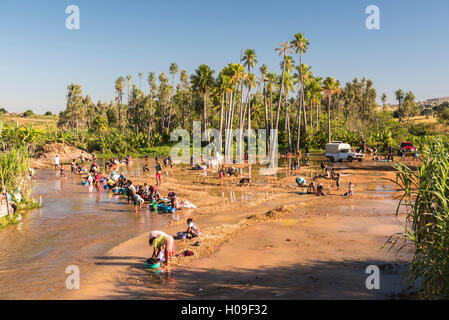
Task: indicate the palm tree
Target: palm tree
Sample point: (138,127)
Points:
(119,86)
(185,89)
(408,106)
(301,44)
(140,80)
(271,77)
(400,97)
(128,79)
(251,83)
(302,78)
(223,85)
(288,86)
(173,71)
(383,98)
(202,80)
(284,48)
(234,72)
(150,116)
(239,77)
(330,87)
(316,94)
(249,60)
(264,77)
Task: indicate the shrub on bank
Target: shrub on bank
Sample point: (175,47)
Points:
(426,195)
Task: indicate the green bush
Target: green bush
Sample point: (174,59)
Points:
(28,113)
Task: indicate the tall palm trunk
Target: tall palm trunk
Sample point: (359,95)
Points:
(287,125)
(119,113)
(278,111)
(249,115)
(267,135)
(271,110)
(171,104)
(241,122)
(150,122)
(329,119)
(206,132)
(281,90)
(230,120)
(223,96)
(311,117)
(298,126)
(302,98)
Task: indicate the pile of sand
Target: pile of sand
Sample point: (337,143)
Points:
(44,157)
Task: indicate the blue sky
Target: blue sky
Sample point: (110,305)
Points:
(39,57)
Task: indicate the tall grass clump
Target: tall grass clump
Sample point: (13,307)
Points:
(426,195)
(15,176)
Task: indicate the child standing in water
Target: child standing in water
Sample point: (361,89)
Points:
(351,189)
(73,166)
(158,168)
(56,162)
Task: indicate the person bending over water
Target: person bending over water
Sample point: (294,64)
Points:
(154,193)
(311,189)
(164,246)
(301,182)
(319,190)
(173,199)
(138,202)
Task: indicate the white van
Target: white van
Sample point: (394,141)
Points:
(339,151)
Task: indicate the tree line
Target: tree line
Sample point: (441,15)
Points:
(305,108)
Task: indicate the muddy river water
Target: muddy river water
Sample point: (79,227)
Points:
(74,225)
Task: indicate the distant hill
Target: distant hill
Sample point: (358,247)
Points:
(435,101)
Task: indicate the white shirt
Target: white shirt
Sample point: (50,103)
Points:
(56,160)
(193,226)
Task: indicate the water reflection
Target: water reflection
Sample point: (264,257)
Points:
(74,224)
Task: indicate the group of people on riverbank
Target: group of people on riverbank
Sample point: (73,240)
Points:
(319,188)
(119,184)
(115,162)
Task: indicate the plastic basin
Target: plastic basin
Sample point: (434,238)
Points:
(152,266)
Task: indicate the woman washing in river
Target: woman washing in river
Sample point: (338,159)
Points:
(164,246)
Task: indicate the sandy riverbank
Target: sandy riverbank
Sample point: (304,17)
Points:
(292,246)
